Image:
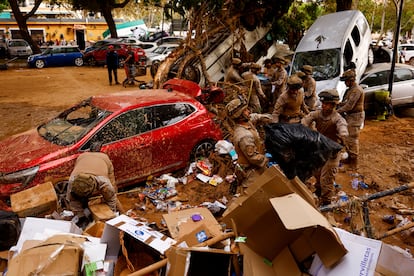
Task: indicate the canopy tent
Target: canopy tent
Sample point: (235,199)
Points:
(135,28)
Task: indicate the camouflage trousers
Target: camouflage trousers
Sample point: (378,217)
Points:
(355,122)
(326,179)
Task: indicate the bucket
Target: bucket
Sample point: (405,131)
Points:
(382,96)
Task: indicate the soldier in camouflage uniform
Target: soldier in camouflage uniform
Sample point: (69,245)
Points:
(278,78)
(331,124)
(246,139)
(290,106)
(93,172)
(255,88)
(352,109)
(309,87)
(233,74)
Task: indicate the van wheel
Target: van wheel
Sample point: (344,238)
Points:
(370,56)
(411,61)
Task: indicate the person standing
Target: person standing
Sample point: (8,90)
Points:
(246,139)
(309,87)
(278,78)
(352,109)
(255,88)
(330,123)
(93,172)
(290,106)
(130,63)
(112,63)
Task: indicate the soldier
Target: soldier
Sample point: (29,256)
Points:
(255,88)
(93,172)
(278,78)
(352,109)
(246,139)
(309,87)
(330,123)
(233,73)
(290,106)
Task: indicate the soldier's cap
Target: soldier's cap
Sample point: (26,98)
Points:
(83,185)
(300,74)
(329,95)
(280,59)
(307,69)
(235,108)
(347,75)
(255,66)
(294,82)
(236,61)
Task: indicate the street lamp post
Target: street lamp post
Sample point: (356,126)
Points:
(395,51)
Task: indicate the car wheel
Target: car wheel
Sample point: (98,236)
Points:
(91,61)
(370,56)
(411,61)
(39,63)
(78,61)
(121,62)
(202,149)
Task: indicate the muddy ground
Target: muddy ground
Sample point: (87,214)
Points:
(30,96)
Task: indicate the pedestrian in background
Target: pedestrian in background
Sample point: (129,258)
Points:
(112,63)
(309,87)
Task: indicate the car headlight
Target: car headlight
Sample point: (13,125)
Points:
(23,176)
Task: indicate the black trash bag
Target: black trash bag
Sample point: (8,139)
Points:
(10,229)
(298,150)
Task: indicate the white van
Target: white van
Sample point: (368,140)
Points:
(331,44)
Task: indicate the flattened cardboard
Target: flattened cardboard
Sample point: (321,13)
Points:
(180,223)
(36,201)
(200,234)
(135,229)
(258,218)
(101,212)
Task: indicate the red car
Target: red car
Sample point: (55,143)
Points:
(98,56)
(144,132)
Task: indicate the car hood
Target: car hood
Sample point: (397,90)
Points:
(25,150)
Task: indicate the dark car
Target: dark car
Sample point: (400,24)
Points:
(154,36)
(98,55)
(56,56)
(101,43)
(144,132)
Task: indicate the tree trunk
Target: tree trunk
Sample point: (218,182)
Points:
(107,13)
(22,22)
(343,5)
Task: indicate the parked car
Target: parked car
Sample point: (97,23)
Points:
(160,53)
(154,36)
(18,48)
(101,43)
(170,39)
(376,78)
(408,52)
(147,46)
(57,56)
(144,132)
(98,55)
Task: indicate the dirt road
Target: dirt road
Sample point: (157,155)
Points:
(30,96)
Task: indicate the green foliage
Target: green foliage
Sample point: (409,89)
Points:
(4,4)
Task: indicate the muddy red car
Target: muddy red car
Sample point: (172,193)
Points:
(144,132)
(98,56)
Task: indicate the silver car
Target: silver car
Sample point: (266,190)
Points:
(376,78)
(18,48)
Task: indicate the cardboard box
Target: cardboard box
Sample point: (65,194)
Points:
(37,201)
(181,223)
(101,212)
(95,229)
(198,261)
(282,227)
(135,229)
(41,229)
(51,257)
(366,257)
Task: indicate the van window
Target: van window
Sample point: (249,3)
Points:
(356,36)
(348,54)
(325,63)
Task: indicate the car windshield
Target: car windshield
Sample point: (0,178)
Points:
(18,43)
(47,51)
(71,125)
(325,63)
(159,50)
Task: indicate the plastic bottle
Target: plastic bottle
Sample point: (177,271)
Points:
(355,183)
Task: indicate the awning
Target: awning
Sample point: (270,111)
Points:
(125,26)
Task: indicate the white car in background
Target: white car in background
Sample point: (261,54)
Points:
(18,48)
(408,51)
(160,53)
(147,46)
